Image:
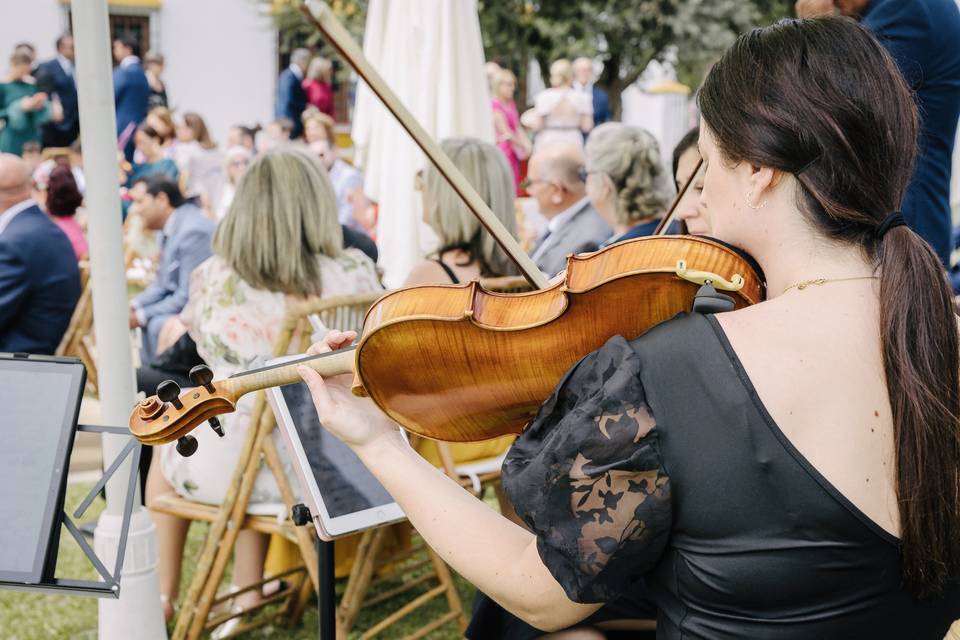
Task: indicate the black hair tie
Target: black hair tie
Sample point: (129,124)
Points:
(893,220)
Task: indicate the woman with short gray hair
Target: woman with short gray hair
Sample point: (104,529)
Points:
(626,181)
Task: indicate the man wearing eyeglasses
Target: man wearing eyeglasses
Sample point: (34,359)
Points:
(555,180)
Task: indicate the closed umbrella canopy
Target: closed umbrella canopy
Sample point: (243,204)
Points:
(431,54)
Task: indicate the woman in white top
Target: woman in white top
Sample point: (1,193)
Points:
(560,114)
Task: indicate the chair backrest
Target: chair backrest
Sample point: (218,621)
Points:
(345,313)
(81,321)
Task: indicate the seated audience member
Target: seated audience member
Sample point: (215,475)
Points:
(39,278)
(280,243)
(236,161)
(318,126)
(186,243)
(625,180)
(691,211)
(160,119)
(199,161)
(149,146)
(347,184)
(275,136)
(467,251)
(574,226)
(243,136)
(63,198)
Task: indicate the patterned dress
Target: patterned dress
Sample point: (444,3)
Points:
(234,325)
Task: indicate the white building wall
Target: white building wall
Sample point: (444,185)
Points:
(221,60)
(38,22)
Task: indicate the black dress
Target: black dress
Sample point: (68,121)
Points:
(655,458)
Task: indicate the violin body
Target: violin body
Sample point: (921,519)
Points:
(460,363)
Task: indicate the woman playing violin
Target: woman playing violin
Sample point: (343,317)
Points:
(791,469)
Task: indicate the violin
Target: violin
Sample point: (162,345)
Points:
(460,363)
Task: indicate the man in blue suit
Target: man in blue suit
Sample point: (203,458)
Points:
(131,91)
(291,97)
(185,243)
(923,36)
(56,78)
(39,278)
(583,81)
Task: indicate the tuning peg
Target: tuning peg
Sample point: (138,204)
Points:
(187,446)
(169,391)
(300,514)
(216,426)
(202,376)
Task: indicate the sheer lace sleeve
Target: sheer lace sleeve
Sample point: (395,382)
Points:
(587,478)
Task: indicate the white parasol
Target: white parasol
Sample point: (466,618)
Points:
(431,54)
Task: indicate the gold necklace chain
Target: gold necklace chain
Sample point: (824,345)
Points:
(803,284)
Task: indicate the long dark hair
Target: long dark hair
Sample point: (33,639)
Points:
(822,99)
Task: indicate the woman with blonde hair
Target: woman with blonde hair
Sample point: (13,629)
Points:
(467,251)
(626,181)
(280,243)
(560,114)
(319,85)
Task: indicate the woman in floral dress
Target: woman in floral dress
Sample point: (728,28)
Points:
(280,243)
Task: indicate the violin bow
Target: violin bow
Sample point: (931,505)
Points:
(667,219)
(321,16)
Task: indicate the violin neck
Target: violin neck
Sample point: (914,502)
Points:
(327,364)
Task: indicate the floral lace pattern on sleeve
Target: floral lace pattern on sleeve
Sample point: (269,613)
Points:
(587,478)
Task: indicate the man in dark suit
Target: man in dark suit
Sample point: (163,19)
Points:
(923,36)
(56,78)
(291,97)
(131,91)
(554,179)
(185,243)
(583,81)
(39,278)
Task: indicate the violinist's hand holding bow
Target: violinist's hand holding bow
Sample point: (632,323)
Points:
(356,421)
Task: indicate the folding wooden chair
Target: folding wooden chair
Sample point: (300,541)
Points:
(78,340)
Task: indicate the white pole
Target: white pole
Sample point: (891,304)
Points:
(137,614)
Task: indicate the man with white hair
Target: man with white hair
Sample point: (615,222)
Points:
(291,96)
(39,278)
(555,179)
(583,81)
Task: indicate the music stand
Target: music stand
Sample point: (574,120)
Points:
(29,553)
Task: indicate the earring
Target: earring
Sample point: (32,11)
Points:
(754,207)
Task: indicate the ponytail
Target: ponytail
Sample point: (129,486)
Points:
(921,359)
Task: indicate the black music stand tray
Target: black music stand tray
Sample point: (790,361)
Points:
(110,586)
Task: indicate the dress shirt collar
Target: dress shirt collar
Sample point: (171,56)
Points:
(556,223)
(129,60)
(7,216)
(66,65)
(585,88)
(297,71)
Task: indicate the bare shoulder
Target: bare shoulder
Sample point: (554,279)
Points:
(426,272)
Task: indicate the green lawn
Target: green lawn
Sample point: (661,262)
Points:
(27,616)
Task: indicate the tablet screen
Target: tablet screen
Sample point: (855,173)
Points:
(344,483)
(40,400)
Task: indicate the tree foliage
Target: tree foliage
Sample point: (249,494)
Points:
(624,34)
